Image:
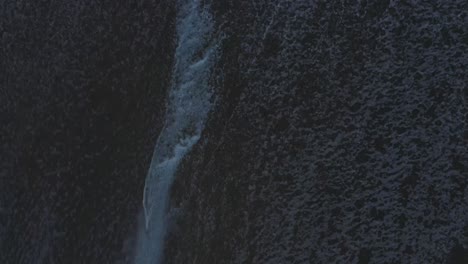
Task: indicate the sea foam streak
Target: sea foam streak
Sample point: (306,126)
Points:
(188,106)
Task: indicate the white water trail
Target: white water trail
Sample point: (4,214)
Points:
(189,103)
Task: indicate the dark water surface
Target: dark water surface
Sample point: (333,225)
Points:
(337,132)
(82,97)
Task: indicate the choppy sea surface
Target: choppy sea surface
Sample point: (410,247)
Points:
(238,131)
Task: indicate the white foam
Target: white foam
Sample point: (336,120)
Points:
(187,110)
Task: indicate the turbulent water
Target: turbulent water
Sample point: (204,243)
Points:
(279,131)
(342,141)
(189,103)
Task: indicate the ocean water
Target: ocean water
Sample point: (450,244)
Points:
(188,105)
